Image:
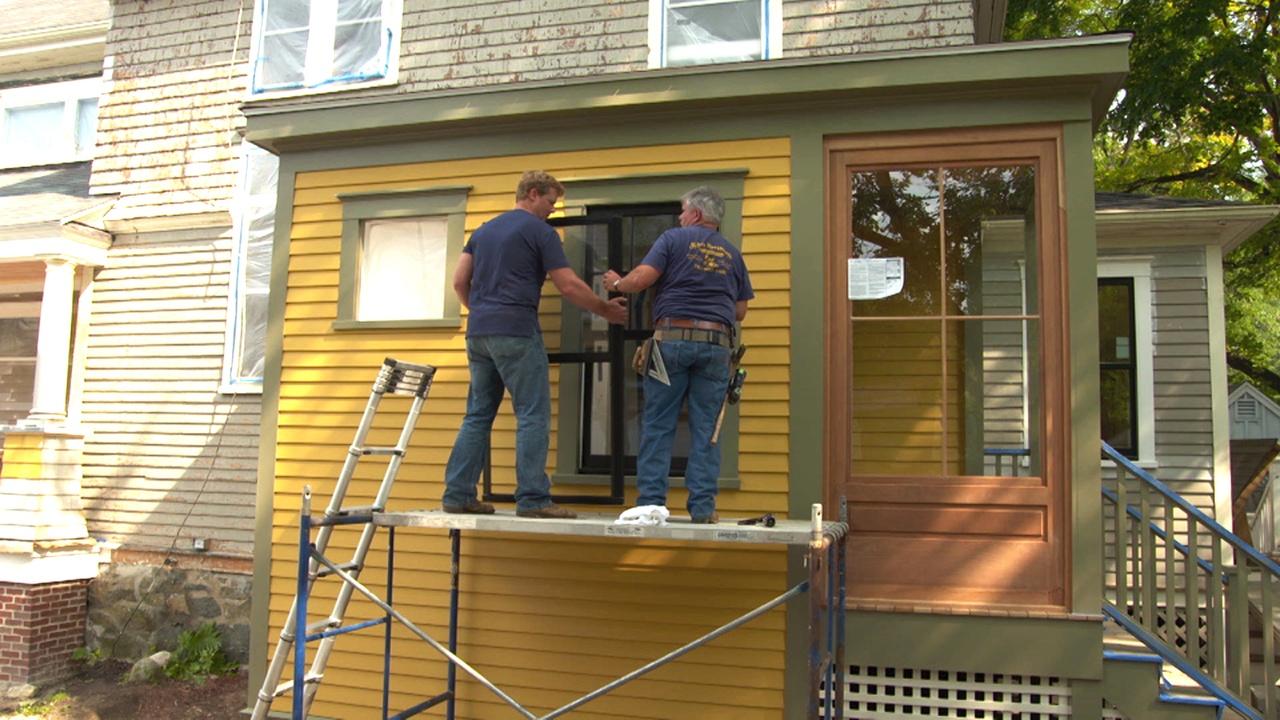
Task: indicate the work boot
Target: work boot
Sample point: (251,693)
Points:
(471,507)
(550,512)
(711,519)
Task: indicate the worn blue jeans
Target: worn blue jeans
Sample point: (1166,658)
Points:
(699,372)
(497,363)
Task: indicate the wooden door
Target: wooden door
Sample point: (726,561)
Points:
(946,436)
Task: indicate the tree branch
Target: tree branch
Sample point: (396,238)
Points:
(1261,375)
(1206,171)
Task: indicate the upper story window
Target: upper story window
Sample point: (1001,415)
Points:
(697,32)
(47,124)
(308,44)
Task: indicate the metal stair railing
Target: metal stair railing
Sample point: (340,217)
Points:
(1186,582)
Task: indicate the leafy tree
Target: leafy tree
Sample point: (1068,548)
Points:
(1200,118)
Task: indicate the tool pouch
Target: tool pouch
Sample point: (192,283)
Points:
(640,360)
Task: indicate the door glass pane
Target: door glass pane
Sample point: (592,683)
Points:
(993,388)
(896,402)
(990,236)
(895,215)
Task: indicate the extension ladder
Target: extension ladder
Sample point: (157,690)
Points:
(396,378)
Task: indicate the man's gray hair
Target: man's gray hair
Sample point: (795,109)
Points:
(706,201)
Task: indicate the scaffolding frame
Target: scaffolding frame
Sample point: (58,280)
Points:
(825,586)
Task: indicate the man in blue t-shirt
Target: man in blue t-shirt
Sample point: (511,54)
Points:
(499,280)
(702,288)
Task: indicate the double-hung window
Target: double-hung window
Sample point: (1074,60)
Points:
(1125,353)
(250,271)
(50,123)
(697,32)
(307,44)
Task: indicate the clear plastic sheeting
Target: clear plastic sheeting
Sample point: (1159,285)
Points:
(308,44)
(255,223)
(403,269)
(711,31)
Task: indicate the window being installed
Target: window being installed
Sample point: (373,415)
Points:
(47,124)
(251,270)
(309,44)
(696,32)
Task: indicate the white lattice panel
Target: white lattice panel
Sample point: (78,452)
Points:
(882,693)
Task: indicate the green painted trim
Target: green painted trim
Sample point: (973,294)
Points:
(454,322)
(808,330)
(1086,699)
(1004,67)
(642,188)
(795,674)
(1019,645)
(260,645)
(360,207)
(1084,511)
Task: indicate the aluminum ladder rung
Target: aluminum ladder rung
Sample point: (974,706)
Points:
(375,450)
(326,572)
(309,679)
(324,624)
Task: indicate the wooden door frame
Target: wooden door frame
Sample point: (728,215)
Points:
(1042,146)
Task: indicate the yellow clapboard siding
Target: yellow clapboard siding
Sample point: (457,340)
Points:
(552,617)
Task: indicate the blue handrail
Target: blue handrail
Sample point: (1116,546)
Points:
(1232,539)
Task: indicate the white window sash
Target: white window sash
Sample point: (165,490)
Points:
(69,96)
(769,44)
(1139,269)
(322,29)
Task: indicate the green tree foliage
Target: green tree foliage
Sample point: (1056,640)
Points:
(1199,118)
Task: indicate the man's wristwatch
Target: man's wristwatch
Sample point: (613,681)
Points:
(616,283)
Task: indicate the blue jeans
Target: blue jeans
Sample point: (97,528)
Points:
(518,364)
(699,372)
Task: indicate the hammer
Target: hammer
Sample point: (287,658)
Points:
(766,520)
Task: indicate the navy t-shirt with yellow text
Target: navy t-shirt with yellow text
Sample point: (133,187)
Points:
(511,255)
(703,275)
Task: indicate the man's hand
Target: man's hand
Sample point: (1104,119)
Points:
(616,311)
(610,279)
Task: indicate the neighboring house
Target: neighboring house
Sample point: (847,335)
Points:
(1255,435)
(173,364)
(51,242)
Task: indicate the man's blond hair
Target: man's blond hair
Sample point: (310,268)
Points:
(538,180)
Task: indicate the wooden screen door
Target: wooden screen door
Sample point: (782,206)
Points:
(948,444)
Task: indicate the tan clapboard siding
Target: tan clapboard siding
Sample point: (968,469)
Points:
(549,618)
(176,76)
(821,27)
(475,43)
(1183,398)
(165,450)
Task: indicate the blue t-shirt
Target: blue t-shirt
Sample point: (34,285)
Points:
(512,255)
(703,275)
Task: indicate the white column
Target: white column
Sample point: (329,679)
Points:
(53,346)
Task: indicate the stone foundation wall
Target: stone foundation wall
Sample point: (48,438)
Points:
(137,609)
(40,626)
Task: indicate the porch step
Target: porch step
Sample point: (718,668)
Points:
(1134,683)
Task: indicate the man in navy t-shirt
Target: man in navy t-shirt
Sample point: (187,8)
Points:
(702,288)
(499,280)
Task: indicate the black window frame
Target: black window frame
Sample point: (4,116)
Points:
(1131,365)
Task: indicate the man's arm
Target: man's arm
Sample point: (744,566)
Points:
(740,310)
(462,279)
(578,293)
(641,278)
